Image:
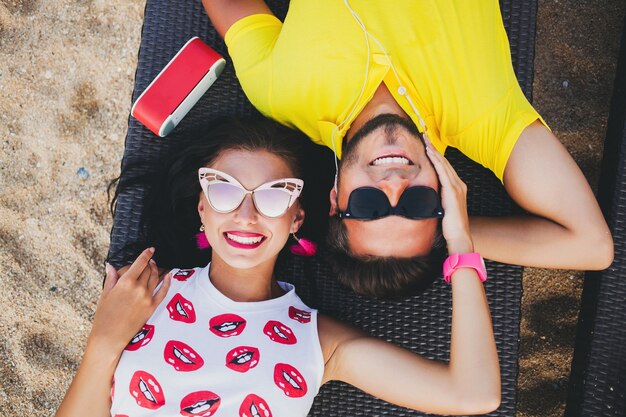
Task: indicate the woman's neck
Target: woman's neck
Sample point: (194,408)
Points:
(244,285)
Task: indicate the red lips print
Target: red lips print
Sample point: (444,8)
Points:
(182,357)
(142,338)
(146,390)
(254,406)
(301,316)
(181,309)
(290,380)
(279,333)
(200,404)
(227,325)
(184,274)
(242,358)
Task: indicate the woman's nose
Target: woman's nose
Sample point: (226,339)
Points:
(247,212)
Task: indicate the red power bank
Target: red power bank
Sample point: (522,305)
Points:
(178,87)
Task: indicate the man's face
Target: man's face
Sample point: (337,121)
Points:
(385,154)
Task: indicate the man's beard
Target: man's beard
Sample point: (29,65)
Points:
(389,121)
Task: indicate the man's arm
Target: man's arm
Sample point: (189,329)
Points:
(223,13)
(566,228)
(470,382)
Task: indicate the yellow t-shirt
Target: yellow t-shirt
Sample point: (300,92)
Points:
(318,69)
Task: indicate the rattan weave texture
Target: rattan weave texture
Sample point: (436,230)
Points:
(598,379)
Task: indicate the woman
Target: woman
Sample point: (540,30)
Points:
(230,339)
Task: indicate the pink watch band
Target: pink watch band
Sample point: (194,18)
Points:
(464,260)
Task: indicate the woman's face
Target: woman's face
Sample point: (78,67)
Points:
(244,238)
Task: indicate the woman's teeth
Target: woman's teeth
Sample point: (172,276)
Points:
(244,240)
(391,160)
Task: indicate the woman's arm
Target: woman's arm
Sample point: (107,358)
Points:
(566,228)
(470,382)
(223,13)
(124,306)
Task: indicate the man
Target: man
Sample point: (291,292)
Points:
(370,79)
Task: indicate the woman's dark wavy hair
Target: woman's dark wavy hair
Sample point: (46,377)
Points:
(170,219)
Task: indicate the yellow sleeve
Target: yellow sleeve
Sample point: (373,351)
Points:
(250,43)
(494,109)
(490,141)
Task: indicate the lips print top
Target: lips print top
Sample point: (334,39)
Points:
(203,354)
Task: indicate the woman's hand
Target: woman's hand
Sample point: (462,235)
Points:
(126,303)
(455,224)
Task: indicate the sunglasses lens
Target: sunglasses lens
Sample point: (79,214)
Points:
(368,203)
(225,197)
(272,202)
(418,203)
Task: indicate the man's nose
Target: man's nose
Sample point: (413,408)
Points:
(393,187)
(246,213)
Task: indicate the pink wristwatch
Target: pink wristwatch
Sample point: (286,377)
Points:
(464,260)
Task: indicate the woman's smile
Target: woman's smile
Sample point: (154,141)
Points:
(244,240)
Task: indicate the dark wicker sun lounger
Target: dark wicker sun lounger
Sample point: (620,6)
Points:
(598,378)
(420,323)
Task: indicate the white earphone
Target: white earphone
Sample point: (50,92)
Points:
(401,89)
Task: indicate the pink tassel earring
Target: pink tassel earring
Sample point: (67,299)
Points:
(201,241)
(303,247)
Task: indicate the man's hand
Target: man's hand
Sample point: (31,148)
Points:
(455,224)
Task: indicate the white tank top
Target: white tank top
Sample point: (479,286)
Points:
(203,354)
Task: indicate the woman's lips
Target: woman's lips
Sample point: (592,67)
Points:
(244,240)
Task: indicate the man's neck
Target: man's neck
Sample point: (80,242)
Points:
(381,103)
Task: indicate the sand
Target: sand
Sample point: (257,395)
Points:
(66,77)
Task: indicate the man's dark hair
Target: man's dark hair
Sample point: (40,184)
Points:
(378,276)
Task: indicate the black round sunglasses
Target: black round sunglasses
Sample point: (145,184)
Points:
(369,203)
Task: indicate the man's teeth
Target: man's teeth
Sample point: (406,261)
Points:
(244,240)
(391,160)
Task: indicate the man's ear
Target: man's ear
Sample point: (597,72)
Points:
(298,220)
(333,202)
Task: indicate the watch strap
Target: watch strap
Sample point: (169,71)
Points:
(464,260)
